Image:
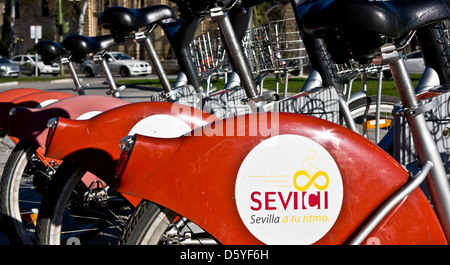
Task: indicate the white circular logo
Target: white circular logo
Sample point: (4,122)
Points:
(45,103)
(289,191)
(161,126)
(88,115)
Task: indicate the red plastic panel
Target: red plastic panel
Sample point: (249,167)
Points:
(412,222)
(29,101)
(94,144)
(31,124)
(195,175)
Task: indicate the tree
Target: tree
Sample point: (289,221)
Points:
(268,11)
(81,15)
(7,39)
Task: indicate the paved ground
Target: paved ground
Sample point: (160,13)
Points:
(97,86)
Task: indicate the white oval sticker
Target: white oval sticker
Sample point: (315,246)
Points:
(289,191)
(161,126)
(88,115)
(45,103)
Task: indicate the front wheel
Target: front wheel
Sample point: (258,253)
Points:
(24,180)
(78,208)
(152,224)
(6,147)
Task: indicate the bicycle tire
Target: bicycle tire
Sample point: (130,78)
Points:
(13,213)
(65,207)
(364,109)
(152,224)
(6,147)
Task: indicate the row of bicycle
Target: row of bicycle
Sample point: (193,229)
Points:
(238,166)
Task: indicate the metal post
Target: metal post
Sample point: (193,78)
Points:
(78,87)
(377,114)
(109,78)
(60,22)
(36,55)
(157,66)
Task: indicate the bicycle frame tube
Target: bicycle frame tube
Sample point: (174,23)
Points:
(180,35)
(436,55)
(435,50)
(429,79)
(425,145)
(322,64)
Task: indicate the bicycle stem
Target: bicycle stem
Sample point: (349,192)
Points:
(424,143)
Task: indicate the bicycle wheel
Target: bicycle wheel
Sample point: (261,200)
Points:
(152,224)
(23,182)
(363,111)
(6,147)
(78,209)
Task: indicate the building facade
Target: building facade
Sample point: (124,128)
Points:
(45,14)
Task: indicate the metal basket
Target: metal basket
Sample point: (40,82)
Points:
(275,48)
(209,55)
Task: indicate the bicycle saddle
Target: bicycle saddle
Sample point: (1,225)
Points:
(121,21)
(49,51)
(362,22)
(80,46)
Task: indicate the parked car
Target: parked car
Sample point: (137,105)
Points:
(27,64)
(118,63)
(414,63)
(8,69)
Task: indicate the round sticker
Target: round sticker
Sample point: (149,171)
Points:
(88,115)
(161,126)
(46,103)
(289,191)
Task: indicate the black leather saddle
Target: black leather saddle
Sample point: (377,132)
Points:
(80,46)
(121,21)
(360,23)
(50,51)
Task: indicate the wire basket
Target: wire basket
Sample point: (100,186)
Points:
(275,47)
(209,55)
